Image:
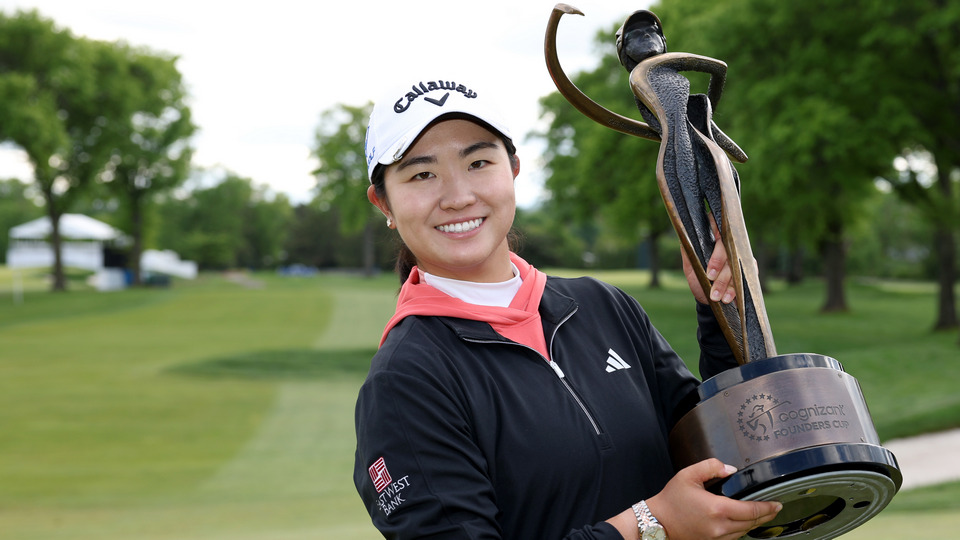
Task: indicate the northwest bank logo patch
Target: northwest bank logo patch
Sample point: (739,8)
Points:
(389,492)
(380,475)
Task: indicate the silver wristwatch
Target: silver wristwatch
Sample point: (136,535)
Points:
(650,528)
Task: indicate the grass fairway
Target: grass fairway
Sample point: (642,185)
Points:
(223,409)
(154,414)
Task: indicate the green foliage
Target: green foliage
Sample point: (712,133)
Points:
(342,174)
(896,243)
(232,224)
(36,80)
(545,241)
(316,238)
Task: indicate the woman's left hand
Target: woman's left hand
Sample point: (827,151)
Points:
(687,511)
(718,272)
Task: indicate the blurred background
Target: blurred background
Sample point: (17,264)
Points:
(193,281)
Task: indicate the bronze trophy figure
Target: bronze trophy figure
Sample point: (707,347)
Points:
(795,425)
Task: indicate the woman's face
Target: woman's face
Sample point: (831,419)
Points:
(452,200)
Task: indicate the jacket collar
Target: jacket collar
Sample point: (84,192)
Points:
(555,307)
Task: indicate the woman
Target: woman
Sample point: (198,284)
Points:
(503,403)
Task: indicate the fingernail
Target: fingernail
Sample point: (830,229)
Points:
(779,506)
(715,295)
(728,298)
(730,469)
(712,274)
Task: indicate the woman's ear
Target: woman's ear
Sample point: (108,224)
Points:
(515,163)
(378,202)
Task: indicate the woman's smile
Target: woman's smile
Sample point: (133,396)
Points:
(462,227)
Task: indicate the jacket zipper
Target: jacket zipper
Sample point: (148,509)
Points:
(563,378)
(576,397)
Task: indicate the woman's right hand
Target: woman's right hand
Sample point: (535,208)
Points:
(688,511)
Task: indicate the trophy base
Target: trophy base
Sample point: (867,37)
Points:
(825,491)
(798,429)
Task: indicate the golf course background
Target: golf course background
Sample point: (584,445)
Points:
(222,408)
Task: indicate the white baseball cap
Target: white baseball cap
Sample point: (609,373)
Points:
(402,114)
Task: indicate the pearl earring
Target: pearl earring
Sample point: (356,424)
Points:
(389,222)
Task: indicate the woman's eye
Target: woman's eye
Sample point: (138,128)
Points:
(422,176)
(478,163)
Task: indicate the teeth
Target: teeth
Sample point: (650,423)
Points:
(461,227)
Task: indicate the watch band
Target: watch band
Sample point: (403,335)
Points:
(639,513)
(647,524)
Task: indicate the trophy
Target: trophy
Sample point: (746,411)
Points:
(796,426)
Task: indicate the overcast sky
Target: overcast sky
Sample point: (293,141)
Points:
(260,74)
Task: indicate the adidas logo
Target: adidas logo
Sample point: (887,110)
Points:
(614,362)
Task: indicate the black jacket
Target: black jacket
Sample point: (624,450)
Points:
(464,434)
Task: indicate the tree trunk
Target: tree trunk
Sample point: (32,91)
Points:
(795,265)
(136,224)
(947,276)
(654,246)
(59,279)
(946,249)
(833,253)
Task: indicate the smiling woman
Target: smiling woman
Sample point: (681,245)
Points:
(460,418)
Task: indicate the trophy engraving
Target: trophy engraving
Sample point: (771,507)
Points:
(796,425)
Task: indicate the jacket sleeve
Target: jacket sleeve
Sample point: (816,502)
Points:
(715,353)
(417,468)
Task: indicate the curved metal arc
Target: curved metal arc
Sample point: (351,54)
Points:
(578,99)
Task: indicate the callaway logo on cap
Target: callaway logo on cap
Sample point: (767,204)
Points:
(399,117)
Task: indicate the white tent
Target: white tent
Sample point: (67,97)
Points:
(72,226)
(84,241)
(82,247)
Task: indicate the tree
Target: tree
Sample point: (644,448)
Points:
(68,103)
(34,76)
(342,174)
(266,226)
(919,43)
(151,153)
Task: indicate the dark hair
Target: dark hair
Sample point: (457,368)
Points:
(405,258)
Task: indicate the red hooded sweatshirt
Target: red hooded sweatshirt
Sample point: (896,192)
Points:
(519,322)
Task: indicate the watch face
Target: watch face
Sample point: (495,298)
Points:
(654,532)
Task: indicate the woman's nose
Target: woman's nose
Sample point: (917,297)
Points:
(457,192)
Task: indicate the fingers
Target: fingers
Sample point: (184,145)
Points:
(752,513)
(706,470)
(719,271)
(723,289)
(690,512)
